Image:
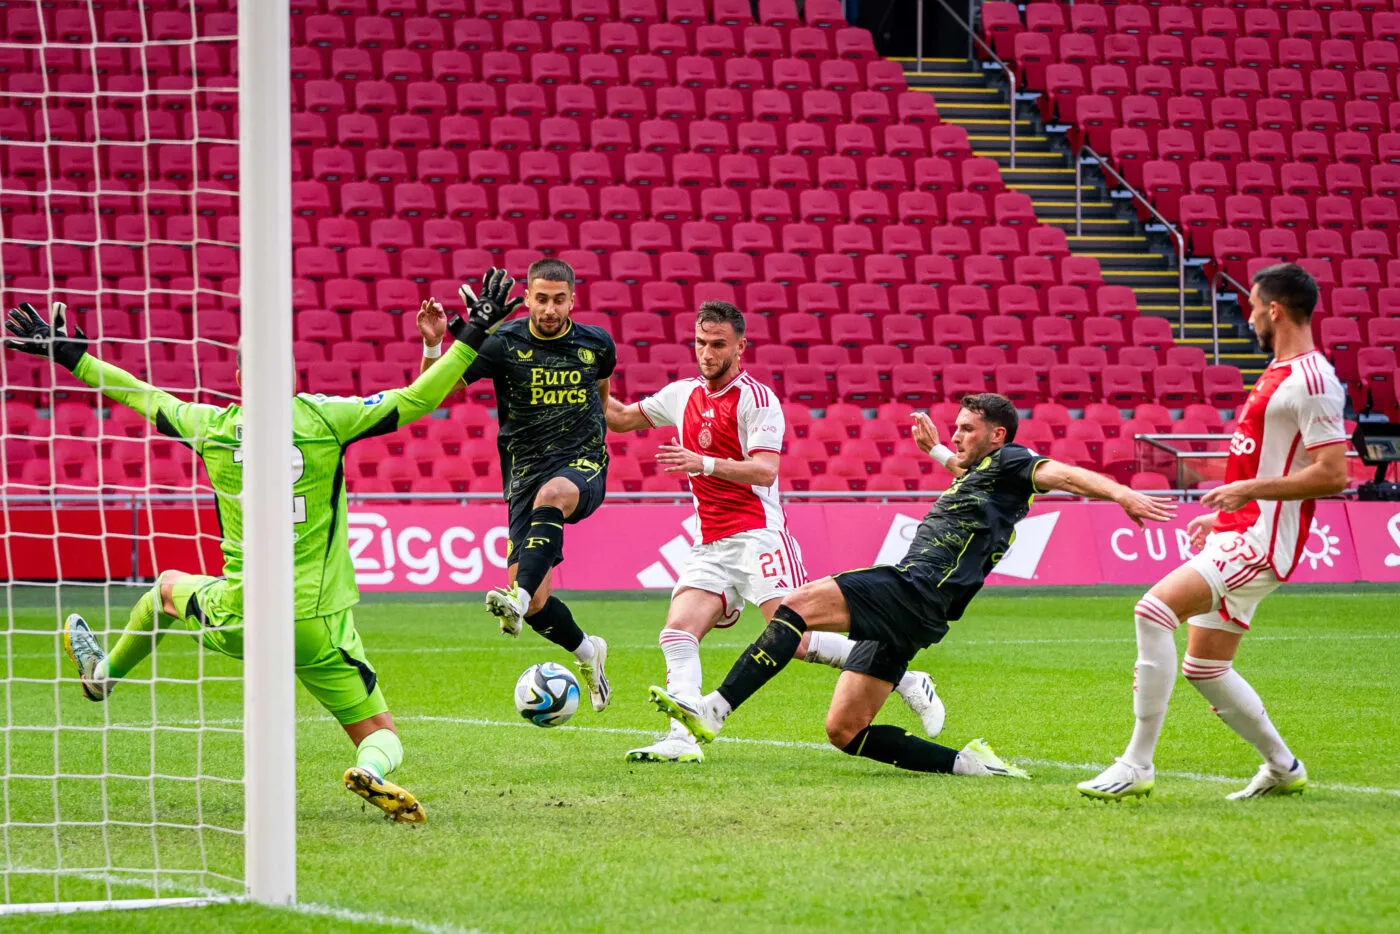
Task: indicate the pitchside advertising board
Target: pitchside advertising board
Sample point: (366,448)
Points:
(628,547)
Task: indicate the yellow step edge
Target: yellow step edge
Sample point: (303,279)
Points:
(1052,187)
(972,90)
(911,58)
(970,121)
(1116,239)
(941,74)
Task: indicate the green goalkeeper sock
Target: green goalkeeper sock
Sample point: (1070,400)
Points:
(136,642)
(380,752)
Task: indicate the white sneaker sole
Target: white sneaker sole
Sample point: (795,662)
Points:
(499,605)
(599,691)
(646,755)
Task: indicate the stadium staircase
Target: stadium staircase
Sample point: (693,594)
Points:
(977,99)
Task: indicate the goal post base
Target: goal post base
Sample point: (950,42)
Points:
(118,904)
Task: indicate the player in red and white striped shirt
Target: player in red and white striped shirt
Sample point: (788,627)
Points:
(1288,449)
(731,433)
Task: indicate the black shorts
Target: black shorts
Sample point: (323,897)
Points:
(895,612)
(591,478)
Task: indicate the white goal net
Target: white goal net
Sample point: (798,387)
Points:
(119,197)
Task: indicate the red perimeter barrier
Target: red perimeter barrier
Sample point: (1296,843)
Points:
(444,547)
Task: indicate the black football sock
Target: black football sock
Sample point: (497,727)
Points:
(544,542)
(556,623)
(773,649)
(896,747)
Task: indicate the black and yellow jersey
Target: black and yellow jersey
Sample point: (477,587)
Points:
(547,396)
(967,531)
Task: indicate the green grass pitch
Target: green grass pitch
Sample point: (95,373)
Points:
(532,828)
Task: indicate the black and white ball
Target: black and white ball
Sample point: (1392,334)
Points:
(547,694)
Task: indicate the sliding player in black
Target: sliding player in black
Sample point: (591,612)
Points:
(893,611)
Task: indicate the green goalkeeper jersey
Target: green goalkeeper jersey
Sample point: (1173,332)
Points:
(322,428)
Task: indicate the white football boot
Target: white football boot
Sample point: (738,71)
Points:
(694,714)
(85,654)
(676,746)
(1270,783)
(977,758)
(924,701)
(599,691)
(1120,780)
(508,604)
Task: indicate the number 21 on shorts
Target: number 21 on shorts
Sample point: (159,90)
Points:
(773,564)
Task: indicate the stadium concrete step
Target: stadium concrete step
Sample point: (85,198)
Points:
(1121,260)
(1039,175)
(1091,243)
(980,123)
(938,78)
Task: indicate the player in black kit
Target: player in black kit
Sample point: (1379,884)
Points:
(551,378)
(891,612)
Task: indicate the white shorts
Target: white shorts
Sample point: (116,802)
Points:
(1237,569)
(755,566)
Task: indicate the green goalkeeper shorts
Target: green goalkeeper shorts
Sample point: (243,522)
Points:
(330,658)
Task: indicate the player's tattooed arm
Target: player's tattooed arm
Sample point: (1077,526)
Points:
(926,437)
(1053,475)
(1325,476)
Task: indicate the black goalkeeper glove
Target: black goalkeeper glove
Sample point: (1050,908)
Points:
(485,313)
(33,336)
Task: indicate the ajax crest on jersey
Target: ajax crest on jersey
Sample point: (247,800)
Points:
(547,694)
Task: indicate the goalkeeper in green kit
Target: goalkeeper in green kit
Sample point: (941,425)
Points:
(330,658)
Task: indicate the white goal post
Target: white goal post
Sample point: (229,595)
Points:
(176,791)
(269,718)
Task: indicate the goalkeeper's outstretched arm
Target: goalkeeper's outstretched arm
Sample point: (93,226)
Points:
(484,315)
(31,334)
(350,420)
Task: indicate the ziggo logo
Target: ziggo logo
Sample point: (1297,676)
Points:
(377,551)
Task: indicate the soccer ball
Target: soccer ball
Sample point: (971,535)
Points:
(547,694)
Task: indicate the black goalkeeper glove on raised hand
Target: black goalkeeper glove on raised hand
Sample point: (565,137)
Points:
(32,335)
(485,313)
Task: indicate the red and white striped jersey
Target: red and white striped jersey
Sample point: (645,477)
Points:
(730,423)
(1295,407)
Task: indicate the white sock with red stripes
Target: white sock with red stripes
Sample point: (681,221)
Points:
(832,649)
(682,651)
(1153,677)
(1234,701)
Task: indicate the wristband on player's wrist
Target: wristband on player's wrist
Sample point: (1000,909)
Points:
(707,465)
(432,351)
(941,453)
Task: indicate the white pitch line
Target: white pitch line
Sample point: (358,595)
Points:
(374,917)
(1091,767)
(121,878)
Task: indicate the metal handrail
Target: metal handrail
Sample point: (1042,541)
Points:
(1215,306)
(1139,197)
(1006,69)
